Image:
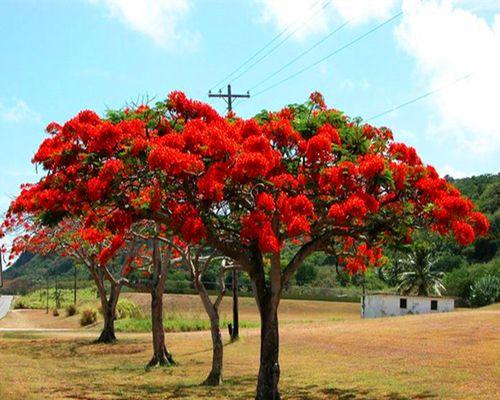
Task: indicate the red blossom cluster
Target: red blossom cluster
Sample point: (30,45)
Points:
(294,175)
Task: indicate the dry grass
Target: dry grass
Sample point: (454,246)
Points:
(440,356)
(190,307)
(38,319)
(290,310)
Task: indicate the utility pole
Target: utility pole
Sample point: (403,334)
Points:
(47,292)
(363,304)
(74,284)
(1,272)
(228,97)
(56,293)
(235,334)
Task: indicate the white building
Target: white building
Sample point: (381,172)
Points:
(389,305)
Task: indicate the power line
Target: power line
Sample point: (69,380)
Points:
(279,44)
(281,33)
(354,41)
(406,103)
(261,50)
(249,59)
(300,55)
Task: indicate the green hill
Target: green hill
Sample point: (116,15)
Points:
(34,267)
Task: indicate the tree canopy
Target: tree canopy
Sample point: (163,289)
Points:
(307,177)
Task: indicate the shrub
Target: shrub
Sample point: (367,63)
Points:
(37,299)
(71,310)
(55,312)
(88,317)
(175,323)
(484,291)
(128,309)
(306,274)
(459,282)
(19,305)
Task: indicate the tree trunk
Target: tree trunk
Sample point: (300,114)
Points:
(161,356)
(269,371)
(267,297)
(108,312)
(215,377)
(108,331)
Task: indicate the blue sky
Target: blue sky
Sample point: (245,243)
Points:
(59,57)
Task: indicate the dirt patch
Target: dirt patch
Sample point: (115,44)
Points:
(38,319)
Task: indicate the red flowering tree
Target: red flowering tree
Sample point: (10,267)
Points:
(307,177)
(87,179)
(69,238)
(90,246)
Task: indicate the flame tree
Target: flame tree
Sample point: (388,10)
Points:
(307,177)
(88,246)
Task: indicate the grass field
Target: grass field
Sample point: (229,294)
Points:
(182,313)
(327,352)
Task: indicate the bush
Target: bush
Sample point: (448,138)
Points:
(459,282)
(55,312)
(88,317)
(485,290)
(128,309)
(306,274)
(19,305)
(37,299)
(175,323)
(448,262)
(71,310)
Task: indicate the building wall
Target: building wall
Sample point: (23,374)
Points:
(387,305)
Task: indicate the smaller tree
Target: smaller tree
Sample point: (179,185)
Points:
(198,264)
(306,274)
(88,246)
(418,274)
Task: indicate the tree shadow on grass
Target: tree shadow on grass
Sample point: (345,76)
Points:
(240,388)
(365,394)
(135,385)
(207,349)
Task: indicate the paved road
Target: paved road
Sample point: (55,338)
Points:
(5,302)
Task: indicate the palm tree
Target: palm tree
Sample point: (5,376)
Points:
(418,274)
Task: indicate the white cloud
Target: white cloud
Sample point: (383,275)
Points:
(303,16)
(360,11)
(448,42)
(18,112)
(306,17)
(158,19)
(451,171)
